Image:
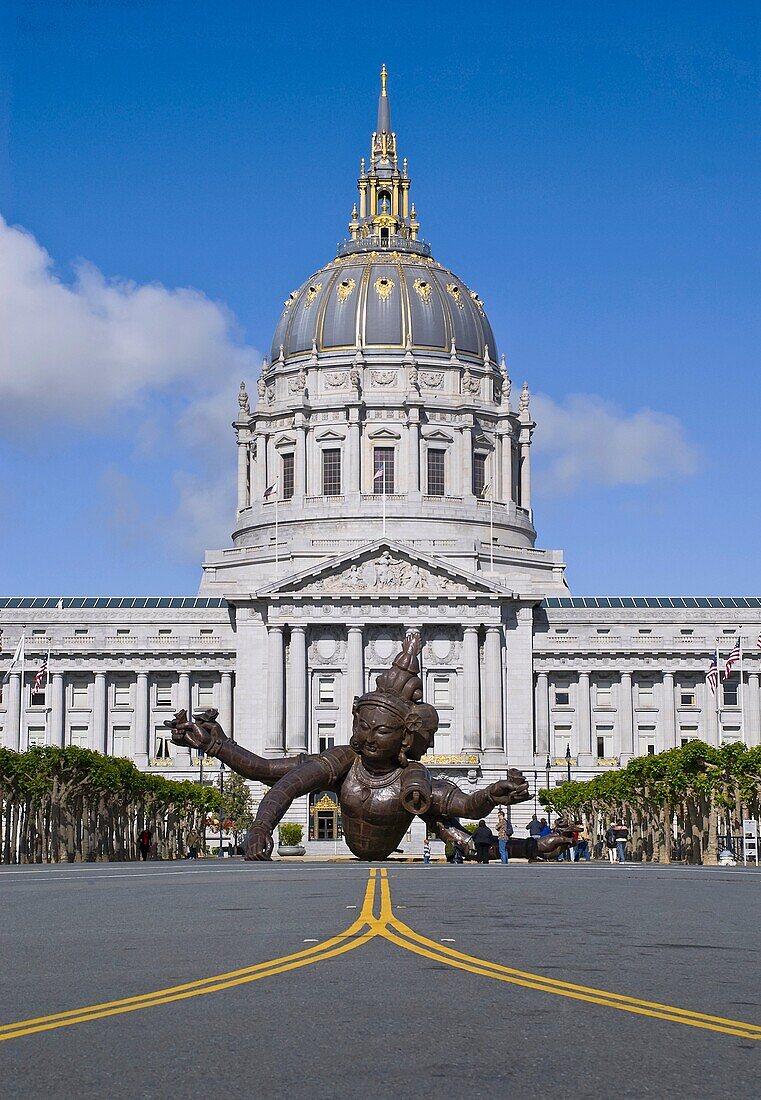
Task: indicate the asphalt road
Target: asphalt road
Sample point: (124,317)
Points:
(380,1019)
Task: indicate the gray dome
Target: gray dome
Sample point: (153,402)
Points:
(380,301)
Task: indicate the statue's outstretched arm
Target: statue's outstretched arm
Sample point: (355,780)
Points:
(205,733)
(315,773)
(450,801)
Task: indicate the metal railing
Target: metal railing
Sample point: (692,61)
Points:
(392,243)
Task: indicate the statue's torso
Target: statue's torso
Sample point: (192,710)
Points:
(373,818)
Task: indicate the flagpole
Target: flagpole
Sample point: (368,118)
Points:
(48,706)
(383,483)
(742,690)
(718,702)
(277,545)
(491,528)
(21,693)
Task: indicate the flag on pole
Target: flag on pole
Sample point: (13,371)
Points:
(486,489)
(758,642)
(732,659)
(270,489)
(381,473)
(17,658)
(712,676)
(42,675)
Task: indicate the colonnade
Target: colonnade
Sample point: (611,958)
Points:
(479,712)
(625,728)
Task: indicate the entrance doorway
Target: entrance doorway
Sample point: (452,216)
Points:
(324,817)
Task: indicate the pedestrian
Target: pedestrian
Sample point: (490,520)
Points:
(582,845)
(610,842)
(426,851)
(573,853)
(621,837)
(194,842)
(458,854)
(504,832)
(534,827)
(483,838)
(544,829)
(144,843)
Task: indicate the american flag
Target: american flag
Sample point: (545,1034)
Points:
(732,659)
(42,674)
(712,675)
(758,642)
(270,489)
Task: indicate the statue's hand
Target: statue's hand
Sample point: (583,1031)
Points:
(510,790)
(259,842)
(187,732)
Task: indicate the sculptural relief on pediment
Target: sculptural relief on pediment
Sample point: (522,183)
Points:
(385,573)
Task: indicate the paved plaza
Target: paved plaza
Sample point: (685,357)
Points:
(146,980)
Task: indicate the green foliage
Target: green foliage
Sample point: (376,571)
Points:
(290,833)
(236,799)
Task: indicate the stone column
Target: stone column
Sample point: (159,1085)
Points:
(520,687)
(99,722)
(668,715)
(525,473)
(584,720)
(355,661)
(709,718)
(353,453)
(180,753)
(57,710)
(226,703)
(300,460)
(297,691)
(471,718)
(493,739)
(12,723)
(625,720)
(466,461)
(542,711)
(142,737)
(274,732)
(753,712)
(260,467)
(243,470)
(507,467)
(413,452)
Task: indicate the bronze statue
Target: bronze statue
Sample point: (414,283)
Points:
(380,782)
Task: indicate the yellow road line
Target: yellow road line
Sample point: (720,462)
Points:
(421,945)
(336,945)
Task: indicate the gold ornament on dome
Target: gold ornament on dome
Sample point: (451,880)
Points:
(424,290)
(383,288)
(312,294)
(290,300)
(345,288)
(456,293)
(478,302)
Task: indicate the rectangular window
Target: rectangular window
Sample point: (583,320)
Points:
(207,629)
(122,695)
(163,745)
(645,630)
(164,632)
(164,693)
(331,472)
(562,741)
(80,694)
(122,631)
(38,633)
(479,474)
(441,696)
(383,469)
(78,737)
(730,734)
(122,741)
(562,697)
(35,735)
(436,473)
(288,482)
(604,742)
(645,694)
(687,734)
(600,748)
(686,632)
(603,630)
(604,695)
(205,694)
(687,697)
(646,740)
(731,696)
(80,631)
(36,698)
(326,690)
(326,737)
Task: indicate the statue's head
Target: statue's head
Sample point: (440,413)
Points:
(392,724)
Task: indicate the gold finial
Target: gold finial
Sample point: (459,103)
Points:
(384,78)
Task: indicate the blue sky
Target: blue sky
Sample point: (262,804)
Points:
(589,169)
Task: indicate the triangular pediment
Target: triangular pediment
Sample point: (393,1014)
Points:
(382,568)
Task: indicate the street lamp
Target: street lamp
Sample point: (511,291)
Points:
(535,792)
(203,811)
(568,761)
(221,808)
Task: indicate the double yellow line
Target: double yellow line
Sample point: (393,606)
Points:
(385,926)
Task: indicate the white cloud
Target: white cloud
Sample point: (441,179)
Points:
(74,350)
(589,441)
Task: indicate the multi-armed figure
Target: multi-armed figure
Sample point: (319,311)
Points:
(380,783)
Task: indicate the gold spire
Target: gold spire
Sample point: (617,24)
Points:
(384,78)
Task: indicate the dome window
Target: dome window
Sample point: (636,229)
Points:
(383,288)
(423,289)
(290,300)
(312,293)
(345,288)
(456,293)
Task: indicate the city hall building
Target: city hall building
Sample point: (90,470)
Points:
(384,482)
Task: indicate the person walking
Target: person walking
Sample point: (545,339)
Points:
(534,827)
(582,845)
(483,838)
(621,835)
(144,843)
(194,842)
(426,851)
(544,829)
(610,842)
(504,832)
